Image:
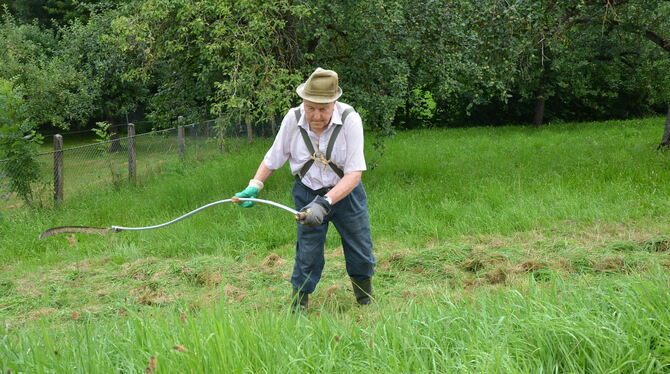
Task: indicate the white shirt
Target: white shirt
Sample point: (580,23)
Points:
(347,151)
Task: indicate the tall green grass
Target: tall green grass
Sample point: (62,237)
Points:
(503,180)
(431,184)
(509,249)
(615,326)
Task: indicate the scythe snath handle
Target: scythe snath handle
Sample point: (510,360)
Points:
(104,231)
(300,216)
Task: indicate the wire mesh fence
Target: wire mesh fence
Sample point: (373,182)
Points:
(108,164)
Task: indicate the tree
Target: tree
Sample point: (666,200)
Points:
(648,20)
(359,41)
(555,60)
(50,13)
(211,57)
(53,90)
(394,58)
(37,87)
(96,52)
(18,143)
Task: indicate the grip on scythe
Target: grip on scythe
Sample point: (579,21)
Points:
(300,216)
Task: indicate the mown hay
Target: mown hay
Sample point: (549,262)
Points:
(273,260)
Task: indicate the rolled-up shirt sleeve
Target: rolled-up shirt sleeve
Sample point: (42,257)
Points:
(280,151)
(355,159)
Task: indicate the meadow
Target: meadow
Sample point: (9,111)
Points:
(500,250)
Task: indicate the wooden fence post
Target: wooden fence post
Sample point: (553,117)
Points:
(181,142)
(58,168)
(132,161)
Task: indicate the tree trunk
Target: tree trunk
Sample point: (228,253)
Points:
(250,130)
(665,142)
(546,78)
(115,145)
(273,121)
(219,128)
(540,99)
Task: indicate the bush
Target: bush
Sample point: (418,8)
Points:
(18,144)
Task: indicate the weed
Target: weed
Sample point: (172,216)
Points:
(582,265)
(209,278)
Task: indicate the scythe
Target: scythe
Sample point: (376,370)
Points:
(107,230)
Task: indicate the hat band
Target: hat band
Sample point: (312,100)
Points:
(320,93)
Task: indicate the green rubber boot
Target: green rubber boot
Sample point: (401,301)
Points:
(362,291)
(299,300)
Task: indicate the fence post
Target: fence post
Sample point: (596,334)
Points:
(180,137)
(58,168)
(132,161)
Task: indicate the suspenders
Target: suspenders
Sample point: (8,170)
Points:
(329,149)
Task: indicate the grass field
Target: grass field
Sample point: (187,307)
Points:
(504,250)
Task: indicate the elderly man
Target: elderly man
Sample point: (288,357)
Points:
(323,141)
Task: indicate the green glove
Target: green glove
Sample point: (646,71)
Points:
(255,186)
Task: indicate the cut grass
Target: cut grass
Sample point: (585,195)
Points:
(102,286)
(557,327)
(499,250)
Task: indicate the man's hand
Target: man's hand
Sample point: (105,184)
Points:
(255,186)
(314,212)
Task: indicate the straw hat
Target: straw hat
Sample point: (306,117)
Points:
(321,87)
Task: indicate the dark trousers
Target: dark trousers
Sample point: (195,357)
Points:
(350,217)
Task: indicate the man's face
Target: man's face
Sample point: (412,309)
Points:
(318,115)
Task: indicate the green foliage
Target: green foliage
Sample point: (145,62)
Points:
(56,12)
(481,63)
(559,51)
(18,150)
(207,57)
(102,131)
(373,73)
(54,91)
(96,52)
(18,144)
(12,110)
(644,21)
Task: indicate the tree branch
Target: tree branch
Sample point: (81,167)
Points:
(649,34)
(654,37)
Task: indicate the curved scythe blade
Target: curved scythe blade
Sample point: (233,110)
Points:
(74,230)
